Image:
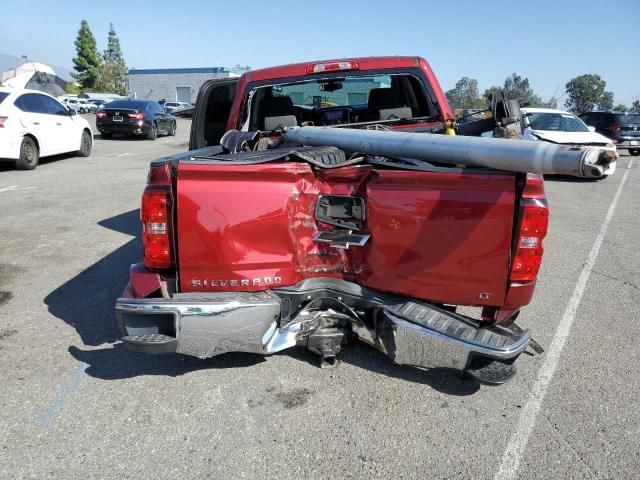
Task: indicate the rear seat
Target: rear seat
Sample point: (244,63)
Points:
(278,112)
(385,104)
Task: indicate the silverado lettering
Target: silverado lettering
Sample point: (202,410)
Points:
(245,282)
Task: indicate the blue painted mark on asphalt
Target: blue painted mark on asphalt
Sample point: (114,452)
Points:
(49,414)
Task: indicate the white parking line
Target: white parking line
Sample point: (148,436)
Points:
(13,188)
(49,414)
(518,442)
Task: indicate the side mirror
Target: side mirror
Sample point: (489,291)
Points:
(591,129)
(72,112)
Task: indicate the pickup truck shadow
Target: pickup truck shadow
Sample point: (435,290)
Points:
(116,362)
(86,301)
(447,381)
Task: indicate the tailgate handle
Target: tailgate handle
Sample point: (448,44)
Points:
(341,210)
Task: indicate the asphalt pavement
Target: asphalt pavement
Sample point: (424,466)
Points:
(76,404)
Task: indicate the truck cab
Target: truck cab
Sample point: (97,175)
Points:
(399,91)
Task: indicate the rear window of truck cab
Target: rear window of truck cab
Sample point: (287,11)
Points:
(628,119)
(339,100)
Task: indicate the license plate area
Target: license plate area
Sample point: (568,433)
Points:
(117,118)
(633,142)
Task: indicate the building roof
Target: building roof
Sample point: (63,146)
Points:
(164,71)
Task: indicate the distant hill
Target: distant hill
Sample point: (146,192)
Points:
(11,61)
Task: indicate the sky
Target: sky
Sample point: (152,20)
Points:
(550,42)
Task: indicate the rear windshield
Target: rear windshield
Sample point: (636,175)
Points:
(137,104)
(559,122)
(3,95)
(342,100)
(628,120)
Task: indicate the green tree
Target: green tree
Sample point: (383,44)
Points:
(113,73)
(620,108)
(72,88)
(493,90)
(551,103)
(465,94)
(87,61)
(606,101)
(518,88)
(587,92)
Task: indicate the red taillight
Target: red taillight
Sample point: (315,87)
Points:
(155,214)
(2,120)
(101,114)
(613,128)
(136,116)
(332,67)
(159,174)
(534,221)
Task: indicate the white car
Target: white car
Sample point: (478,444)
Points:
(35,125)
(173,106)
(556,126)
(80,105)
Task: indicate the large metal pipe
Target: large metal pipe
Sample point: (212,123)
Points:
(500,154)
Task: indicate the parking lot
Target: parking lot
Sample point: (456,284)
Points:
(76,404)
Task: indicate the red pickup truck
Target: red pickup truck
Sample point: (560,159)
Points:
(255,244)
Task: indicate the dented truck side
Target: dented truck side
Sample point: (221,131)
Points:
(247,252)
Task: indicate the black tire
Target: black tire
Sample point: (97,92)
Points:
(172,130)
(81,110)
(29,155)
(86,144)
(106,135)
(153,132)
(634,152)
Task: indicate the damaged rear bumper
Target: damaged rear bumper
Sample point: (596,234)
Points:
(318,314)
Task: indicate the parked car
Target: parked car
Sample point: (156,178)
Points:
(622,128)
(135,117)
(171,107)
(557,126)
(80,105)
(34,124)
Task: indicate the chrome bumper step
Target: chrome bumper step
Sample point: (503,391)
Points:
(317,314)
(154,343)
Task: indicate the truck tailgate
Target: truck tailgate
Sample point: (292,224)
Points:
(438,236)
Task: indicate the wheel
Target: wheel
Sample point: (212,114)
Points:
(153,132)
(81,109)
(29,155)
(172,130)
(85,144)
(106,135)
(634,152)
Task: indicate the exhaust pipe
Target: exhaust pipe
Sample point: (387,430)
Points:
(524,156)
